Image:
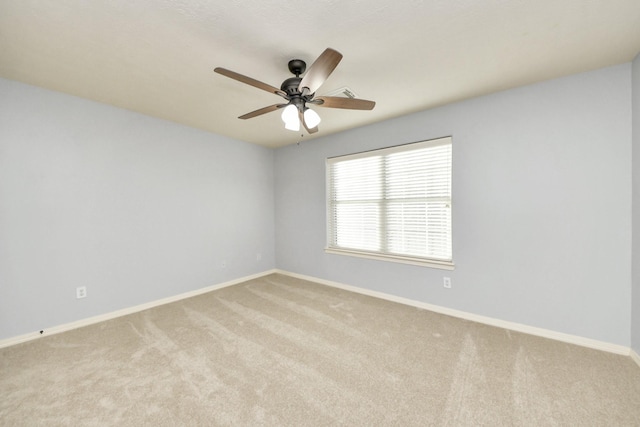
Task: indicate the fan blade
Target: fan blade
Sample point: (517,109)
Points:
(320,70)
(261,111)
(252,82)
(348,103)
(312,130)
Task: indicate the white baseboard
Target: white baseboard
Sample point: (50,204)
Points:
(531,330)
(545,333)
(635,357)
(125,311)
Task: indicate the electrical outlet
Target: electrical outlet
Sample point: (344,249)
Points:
(258,256)
(81,292)
(447,282)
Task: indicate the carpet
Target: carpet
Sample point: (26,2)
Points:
(280,351)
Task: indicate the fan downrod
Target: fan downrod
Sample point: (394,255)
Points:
(290,86)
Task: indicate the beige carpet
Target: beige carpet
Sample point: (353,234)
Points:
(279,351)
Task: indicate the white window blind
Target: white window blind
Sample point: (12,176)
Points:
(394,202)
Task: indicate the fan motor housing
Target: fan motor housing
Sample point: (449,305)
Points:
(290,86)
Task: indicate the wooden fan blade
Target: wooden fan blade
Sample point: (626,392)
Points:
(310,130)
(248,80)
(261,111)
(348,103)
(320,70)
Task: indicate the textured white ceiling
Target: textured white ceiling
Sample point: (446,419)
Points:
(157,56)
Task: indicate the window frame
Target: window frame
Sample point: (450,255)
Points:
(405,259)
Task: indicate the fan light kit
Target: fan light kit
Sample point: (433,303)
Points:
(300,91)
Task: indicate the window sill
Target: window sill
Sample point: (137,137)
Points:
(443,265)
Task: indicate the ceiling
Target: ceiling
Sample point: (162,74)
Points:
(157,56)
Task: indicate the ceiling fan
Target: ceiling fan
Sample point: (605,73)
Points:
(300,91)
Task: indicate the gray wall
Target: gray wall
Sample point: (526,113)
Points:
(541,203)
(635,277)
(138,209)
(132,207)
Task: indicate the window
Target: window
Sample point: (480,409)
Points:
(393,203)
